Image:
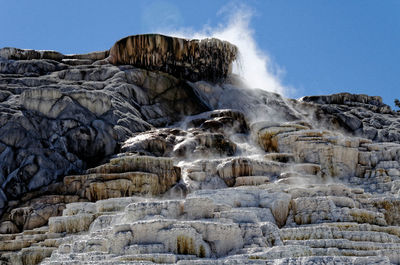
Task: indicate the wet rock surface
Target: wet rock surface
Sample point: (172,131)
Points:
(122,164)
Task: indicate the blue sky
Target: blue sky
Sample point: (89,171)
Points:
(320,46)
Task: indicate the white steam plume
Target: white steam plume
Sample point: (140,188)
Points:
(254,65)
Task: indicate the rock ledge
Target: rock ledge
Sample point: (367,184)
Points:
(194,60)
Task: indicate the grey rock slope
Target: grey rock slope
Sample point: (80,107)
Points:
(360,115)
(117,164)
(57,119)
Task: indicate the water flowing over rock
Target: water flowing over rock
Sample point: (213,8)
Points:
(137,155)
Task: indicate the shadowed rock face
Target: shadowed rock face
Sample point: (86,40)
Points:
(207,59)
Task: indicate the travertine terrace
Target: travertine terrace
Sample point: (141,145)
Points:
(208,59)
(154,153)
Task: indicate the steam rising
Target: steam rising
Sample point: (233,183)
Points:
(253,65)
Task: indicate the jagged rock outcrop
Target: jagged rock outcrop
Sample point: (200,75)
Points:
(152,163)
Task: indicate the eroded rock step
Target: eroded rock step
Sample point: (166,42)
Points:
(119,178)
(255,215)
(244,221)
(238,220)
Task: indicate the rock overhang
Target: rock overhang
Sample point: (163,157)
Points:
(206,59)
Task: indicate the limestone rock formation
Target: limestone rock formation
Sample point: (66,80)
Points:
(136,156)
(361,115)
(58,119)
(206,59)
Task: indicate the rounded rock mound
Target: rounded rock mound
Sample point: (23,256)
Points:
(206,59)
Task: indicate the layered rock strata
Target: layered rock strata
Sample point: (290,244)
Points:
(113,164)
(58,119)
